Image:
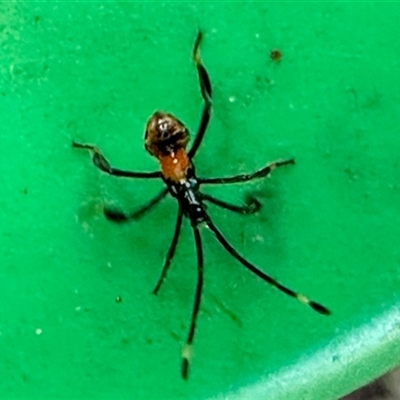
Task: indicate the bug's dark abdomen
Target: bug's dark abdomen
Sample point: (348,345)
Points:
(188,195)
(194,208)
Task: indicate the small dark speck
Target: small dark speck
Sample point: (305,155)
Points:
(118,299)
(25,191)
(276,55)
(233,316)
(37,18)
(261,80)
(174,335)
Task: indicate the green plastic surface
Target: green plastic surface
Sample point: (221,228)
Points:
(329,226)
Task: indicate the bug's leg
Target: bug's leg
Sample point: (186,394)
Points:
(101,162)
(206,92)
(171,251)
(261,173)
(119,216)
(303,299)
(187,349)
(251,205)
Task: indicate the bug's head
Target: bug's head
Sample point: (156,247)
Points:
(165,134)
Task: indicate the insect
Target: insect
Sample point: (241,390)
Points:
(166,138)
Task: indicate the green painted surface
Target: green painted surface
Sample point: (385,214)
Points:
(330,225)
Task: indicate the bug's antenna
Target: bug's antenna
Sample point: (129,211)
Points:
(187,349)
(205,83)
(300,297)
(206,93)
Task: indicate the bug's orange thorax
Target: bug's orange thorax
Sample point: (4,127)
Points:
(174,165)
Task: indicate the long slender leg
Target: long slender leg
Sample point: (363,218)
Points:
(263,172)
(206,92)
(303,299)
(187,349)
(101,162)
(171,251)
(251,206)
(120,217)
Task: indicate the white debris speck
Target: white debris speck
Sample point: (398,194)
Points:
(232,99)
(38,331)
(78,308)
(258,238)
(257,35)
(109,265)
(85,226)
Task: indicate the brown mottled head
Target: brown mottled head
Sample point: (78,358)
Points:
(165,134)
